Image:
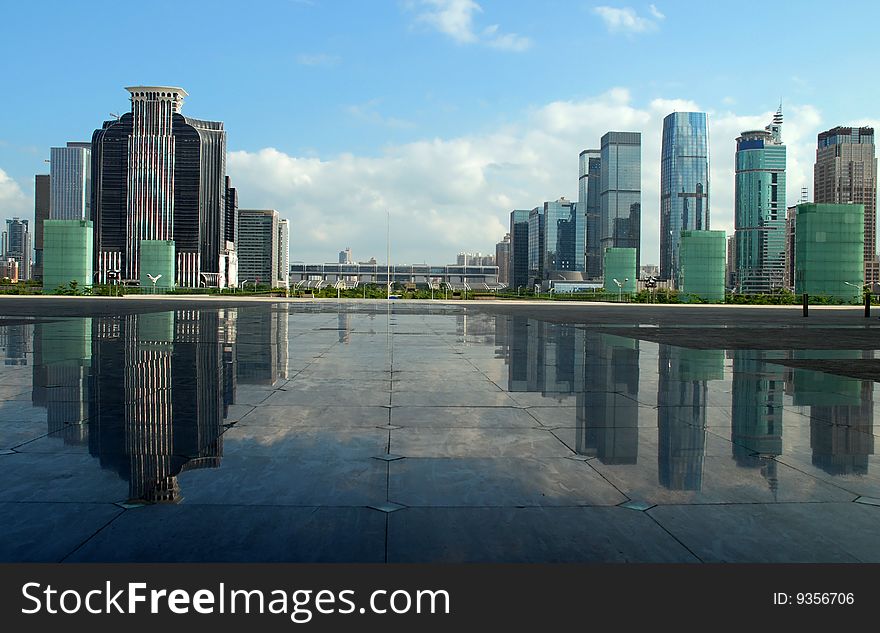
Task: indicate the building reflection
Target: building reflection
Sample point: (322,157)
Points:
(262,356)
(841,415)
(756,412)
(61,377)
(682,400)
(542,357)
(158,398)
(607,412)
(15,343)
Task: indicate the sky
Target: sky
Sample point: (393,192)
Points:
(447,114)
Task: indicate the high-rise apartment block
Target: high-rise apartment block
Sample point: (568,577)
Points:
(620,191)
(759,209)
(684,186)
(158,175)
(262,247)
(502,260)
(846,172)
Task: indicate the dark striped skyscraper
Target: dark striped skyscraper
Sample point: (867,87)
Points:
(620,192)
(160,176)
(684,186)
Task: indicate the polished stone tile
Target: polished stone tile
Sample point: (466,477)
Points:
(331,444)
(60,477)
(476,442)
(529,535)
(320,416)
(329,396)
(497,482)
(286,481)
(776,533)
(441,398)
(461,417)
(235,533)
(47,532)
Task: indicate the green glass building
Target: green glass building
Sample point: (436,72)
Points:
(67,253)
(620,264)
(702,258)
(157,258)
(829,250)
(759,209)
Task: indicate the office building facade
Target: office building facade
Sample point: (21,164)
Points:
(759,209)
(519,248)
(502,260)
(620,191)
(16,246)
(42,194)
(829,250)
(260,249)
(158,175)
(559,245)
(69,254)
(620,270)
(846,172)
(589,172)
(283,271)
(70,172)
(701,261)
(684,186)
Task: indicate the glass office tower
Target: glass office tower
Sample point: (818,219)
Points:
(70,177)
(590,167)
(560,240)
(759,209)
(684,186)
(519,248)
(846,172)
(620,191)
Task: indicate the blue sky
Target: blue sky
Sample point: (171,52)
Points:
(449,113)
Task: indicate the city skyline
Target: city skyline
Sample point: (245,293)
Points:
(452,161)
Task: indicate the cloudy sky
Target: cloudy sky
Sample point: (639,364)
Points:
(446,113)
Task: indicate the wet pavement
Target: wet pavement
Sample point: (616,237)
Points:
(371,432)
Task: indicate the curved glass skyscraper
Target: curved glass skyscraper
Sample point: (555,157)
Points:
(759,209)
(684,185)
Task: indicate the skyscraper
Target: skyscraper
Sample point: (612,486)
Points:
(590,167)
(17,246)
(846,171)
(559,225)
(70,171)
(759,209)
(502,260)
(260,248)
(620,191)
(158,175)
(41,213)
(283,274)
(684,185)
(519,248)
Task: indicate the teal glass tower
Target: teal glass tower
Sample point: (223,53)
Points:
(684,186)
(759,209)
(620,191)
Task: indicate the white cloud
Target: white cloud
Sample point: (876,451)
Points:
(455,18)
(447,195)
(627,20)
(13,201)
(317,59)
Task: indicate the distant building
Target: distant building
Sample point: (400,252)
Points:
(70,172)
(345,256)
(536,246)
(829,250)
(701,264)
(476,277)
(790,232)
(260,252)
(42,194)
(589,172)
(17,246)
(158,175)
(620,192)
(502,260)
(283,254)
(684,185)
(759,215)
(846,171)
(648,270)
(519,248)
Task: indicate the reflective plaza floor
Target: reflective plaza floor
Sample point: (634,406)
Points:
(377,432)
